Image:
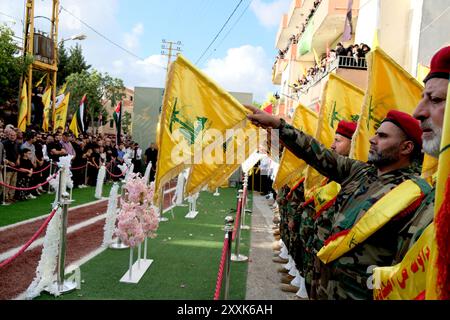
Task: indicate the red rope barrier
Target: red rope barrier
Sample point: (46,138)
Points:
(116,176)
(33,239)
(79,168)
(34,172)
(238,219)
(32,188)
(221,269)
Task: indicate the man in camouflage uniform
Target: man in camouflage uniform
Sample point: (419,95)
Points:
(284,221)
(320,223)
(393,149)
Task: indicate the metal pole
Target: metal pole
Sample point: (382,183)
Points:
(4,180)
(237,257)
(244,203)
(131,264)
(51,172)
(86,173)
(145,248)
(139,256)
(62,285)
(229,236)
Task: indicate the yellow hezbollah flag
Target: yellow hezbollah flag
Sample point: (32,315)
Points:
(232,153)
(23,109)
(417,276)
(390,88)
(422,72)
(61,112)
(46,100)
(341,101)
(438,277)
(193,104)
(291,167)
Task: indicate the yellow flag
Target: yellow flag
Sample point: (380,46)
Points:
(416,277)
(422,72)
(193,106)
(341,101)
(40,81)
(23,109)
(376,42)
(390,88)
(74,126)
(291,167)
(46,100)
(433,289)
(62,90)
(61,112)
(232,154)
(316,57)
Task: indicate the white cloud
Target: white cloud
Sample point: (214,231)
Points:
(244,69)
(132,39)
(150,72)
(269,14)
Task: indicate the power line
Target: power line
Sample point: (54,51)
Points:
(231,29)
(218,34)
(109,40)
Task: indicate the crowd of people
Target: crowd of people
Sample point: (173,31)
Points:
(28,158)
(354,223)
(352,56)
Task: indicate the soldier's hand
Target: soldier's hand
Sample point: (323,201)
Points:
(262,119)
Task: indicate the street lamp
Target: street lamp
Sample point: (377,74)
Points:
(79,37)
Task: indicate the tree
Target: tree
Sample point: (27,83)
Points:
(12,65)
(113,89)
(76,62)
(63,60)
(99,88)
(126,122)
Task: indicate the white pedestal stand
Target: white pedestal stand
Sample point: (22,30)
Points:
(139,268)
(192,208)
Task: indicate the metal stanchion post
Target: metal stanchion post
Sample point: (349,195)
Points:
(244,204)
(63,286)
(237,257)
(161,203)
(4,181)
(229,234)
(51,172)
(86,174)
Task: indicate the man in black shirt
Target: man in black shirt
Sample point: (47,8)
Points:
(55,150)
(12,149)
(151,155)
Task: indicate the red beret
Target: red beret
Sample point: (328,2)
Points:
(408,124)
(346,129)
(440,65)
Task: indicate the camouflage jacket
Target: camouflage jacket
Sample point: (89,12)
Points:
(361,188)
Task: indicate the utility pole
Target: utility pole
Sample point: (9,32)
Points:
(49,64)
(170,49)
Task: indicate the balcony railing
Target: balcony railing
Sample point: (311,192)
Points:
(341,62)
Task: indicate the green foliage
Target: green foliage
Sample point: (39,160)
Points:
(98,88)
(63,60)
(126,122)
(12,65)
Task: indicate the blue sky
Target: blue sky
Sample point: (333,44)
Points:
(240,62)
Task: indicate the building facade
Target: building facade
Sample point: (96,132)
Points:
(410,31)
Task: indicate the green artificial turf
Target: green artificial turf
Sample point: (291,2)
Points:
(24,210)
(186,257)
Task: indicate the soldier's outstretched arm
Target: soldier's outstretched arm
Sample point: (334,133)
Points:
(305,147)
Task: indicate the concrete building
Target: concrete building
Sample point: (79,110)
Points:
(410,31)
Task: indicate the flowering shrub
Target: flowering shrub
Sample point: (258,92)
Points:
(138,217)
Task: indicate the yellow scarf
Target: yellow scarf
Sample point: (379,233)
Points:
(398,201)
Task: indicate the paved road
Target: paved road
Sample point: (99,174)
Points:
(263,280)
